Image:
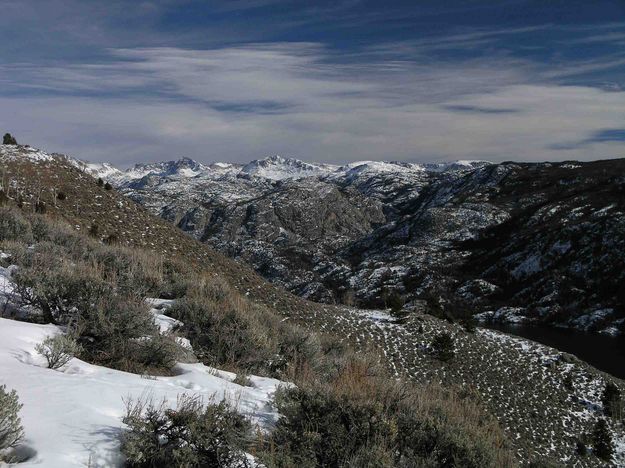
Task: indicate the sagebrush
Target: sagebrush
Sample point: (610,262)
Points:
(190,435)
(58,350)
(11,432)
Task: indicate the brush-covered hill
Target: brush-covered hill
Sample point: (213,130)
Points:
(546,403)
(59,186)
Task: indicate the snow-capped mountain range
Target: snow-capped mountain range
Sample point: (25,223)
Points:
(271,168)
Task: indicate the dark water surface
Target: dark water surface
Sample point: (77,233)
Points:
(606,353)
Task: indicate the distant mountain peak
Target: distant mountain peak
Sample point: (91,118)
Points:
(182,167)
(277,167)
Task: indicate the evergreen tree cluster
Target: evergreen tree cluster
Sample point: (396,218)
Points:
(9,139)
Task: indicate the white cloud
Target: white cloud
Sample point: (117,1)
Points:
(243,102)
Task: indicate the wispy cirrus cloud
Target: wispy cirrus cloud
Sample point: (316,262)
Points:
(332,81)
(236,103)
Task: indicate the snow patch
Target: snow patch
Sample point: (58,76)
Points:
(72,418)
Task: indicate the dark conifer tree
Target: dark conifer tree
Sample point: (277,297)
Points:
(9,139)
(602,444)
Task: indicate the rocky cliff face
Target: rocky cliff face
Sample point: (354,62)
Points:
(504,241)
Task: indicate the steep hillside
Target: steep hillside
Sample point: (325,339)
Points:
(561,250)
(544,400)
(34,179)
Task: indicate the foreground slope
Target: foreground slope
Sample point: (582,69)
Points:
(73,417)
(522,383)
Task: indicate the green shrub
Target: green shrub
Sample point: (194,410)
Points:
(320,429)
(222,330)
(41,207)
(94,230)
(443,346)
(58,350)
(611,399)
(177,279)
(602,444)
(14,227)
(189,436)
(60,289)
(361,418)
(395,302)
(120,333)
(376,455)
(469,324)
(157,353)
(9,139)
(580,448)
(11,432)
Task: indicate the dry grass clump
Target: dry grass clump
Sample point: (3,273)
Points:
(231,332)
(360,417)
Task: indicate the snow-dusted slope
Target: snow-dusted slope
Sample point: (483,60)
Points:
(12,152)
(101,170)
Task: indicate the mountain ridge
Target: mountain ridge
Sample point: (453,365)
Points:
(367,230)
(274,167)
(472,238)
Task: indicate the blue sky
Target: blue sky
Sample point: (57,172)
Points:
(132,81)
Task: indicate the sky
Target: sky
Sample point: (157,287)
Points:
(128,81)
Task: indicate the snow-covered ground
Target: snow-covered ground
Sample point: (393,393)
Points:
(72,416)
